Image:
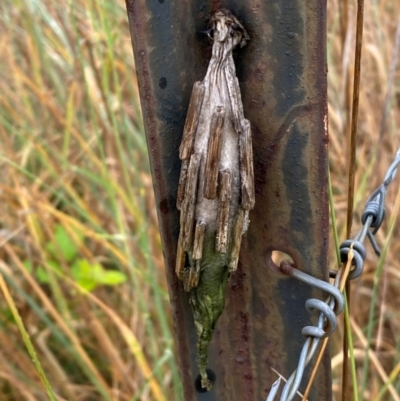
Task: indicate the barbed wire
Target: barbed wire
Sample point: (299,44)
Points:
(352,255)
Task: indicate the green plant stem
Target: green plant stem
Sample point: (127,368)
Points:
(26,338)
(333,219)
(351,349)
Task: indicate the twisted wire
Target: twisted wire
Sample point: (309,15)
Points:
(353,252)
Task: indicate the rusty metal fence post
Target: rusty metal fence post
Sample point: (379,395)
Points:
(282,75)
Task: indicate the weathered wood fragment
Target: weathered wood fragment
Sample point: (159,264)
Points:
(189,131)
(182,184)
(189,203)
(213,153)
(198,240)
(246,167)
(237,240)
(223,211)
(180,260)
(235,99)
(191,277)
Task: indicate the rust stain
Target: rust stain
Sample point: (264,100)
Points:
(164,206)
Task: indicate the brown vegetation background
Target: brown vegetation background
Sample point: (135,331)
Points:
(80,255)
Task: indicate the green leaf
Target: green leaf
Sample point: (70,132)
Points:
(42,274)
(28,265)
(62,242)
(91,275)
(85,273)
(113,277)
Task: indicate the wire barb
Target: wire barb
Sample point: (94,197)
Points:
(352,254)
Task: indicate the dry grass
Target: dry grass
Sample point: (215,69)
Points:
(376,327)
(73,160)
(73,155)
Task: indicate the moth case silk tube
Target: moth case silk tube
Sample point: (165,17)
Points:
(216,185)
